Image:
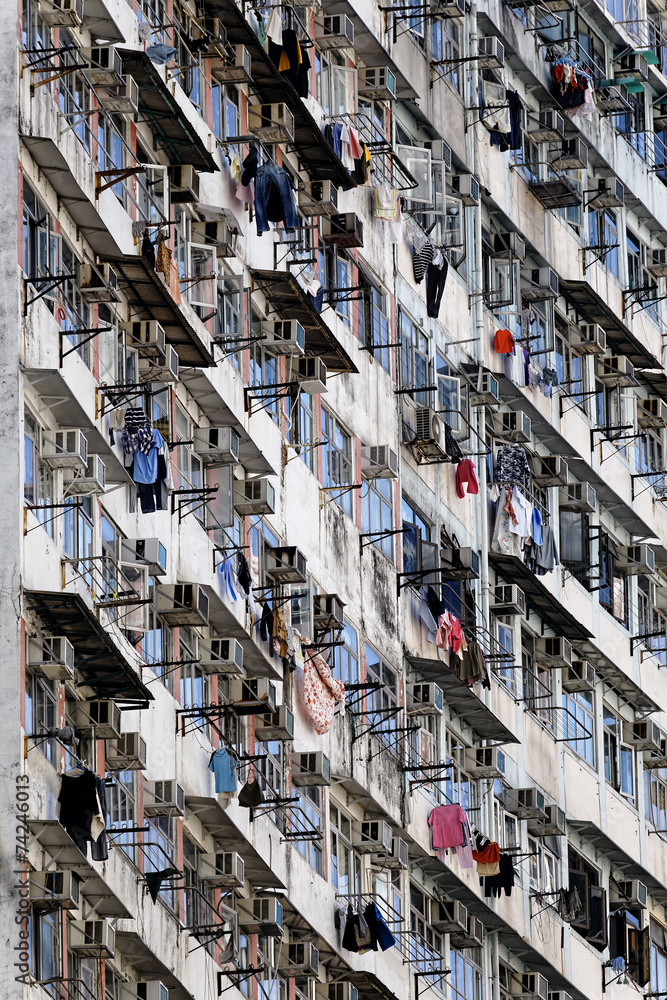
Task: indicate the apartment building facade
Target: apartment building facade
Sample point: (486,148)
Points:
(334,415)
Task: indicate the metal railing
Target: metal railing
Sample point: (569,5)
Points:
(389,169)
(67,989)
(110,586)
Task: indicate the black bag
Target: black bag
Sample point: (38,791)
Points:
(251,795)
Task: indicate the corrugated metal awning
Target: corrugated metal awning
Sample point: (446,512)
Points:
(619,336)
(606,845)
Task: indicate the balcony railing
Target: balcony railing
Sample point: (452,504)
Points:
(68,989)
(120,590)
(389,169)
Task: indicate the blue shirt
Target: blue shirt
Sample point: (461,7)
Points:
(145,466)
(223,766)
(536,526)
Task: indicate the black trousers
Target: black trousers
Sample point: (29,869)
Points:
(435,286)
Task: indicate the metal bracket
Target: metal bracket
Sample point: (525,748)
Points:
(341,491)
(200,494)
(91,332)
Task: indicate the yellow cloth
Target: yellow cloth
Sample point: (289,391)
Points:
(284,62)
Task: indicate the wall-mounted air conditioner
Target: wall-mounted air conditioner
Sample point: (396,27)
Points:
(311,768)
(657,265)
(452,917)
(508,599)
(182,603)
(473,937)
(461,563)
(509,245)
(491,53)
(484,389)
(261,915)
(448,8)
(184,183)
(572,155)
(530,986)
(553,651)
(311,376)
(430,433)
(51,656)
(122,99)
(616,371)
(379,462)
(345,231)
(238,69)
(147,336)
(513,425)
(252,695)
(98,282)
(635,559)
(92,938)
(399,856)
(334,32)
(55,888)
(220,656)
(539,284)
(592,339)
(318,198)
(424,699)
(285,564)
(220,444)
(377,83)
(128,753)
(61,13)
(553,826)
(99,718)
(483,762)
(652,413)
(327,612)
(371,837)
(631,64)
(222,870)
(580,676)
(645,735)
(303,959)
(254,496)
(105,66)
(91,482)
(277,725)
(284,336)
(550,470)
(160,368)
(549,126)
(578,496)
(65,449)
(466,187)
(271,122)
(657,758)
(525,803)
(630,894)
(610,194)
(164,798)
(145,552)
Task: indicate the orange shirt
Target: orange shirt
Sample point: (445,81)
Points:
(504,342)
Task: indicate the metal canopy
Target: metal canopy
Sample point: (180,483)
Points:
(588,831)
(312,148)
(136,952)
(617,679)
(58,172)
(291,302)
(55,839)
(96,656)
(57,396)
(559,193)
(150,298)
(539,597)
(229,838)
(462,699)
(99,22)
(596,310)
(171,128)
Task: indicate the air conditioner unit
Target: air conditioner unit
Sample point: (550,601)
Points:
(160,368)
(55,888)
(484,389)
(592,339)
(92,482)
(399,857)
(99,718)
(573,155)
(508,599)
(635,559)
(610,194)
(285,564)
(483,762)
(252,695)
(184,186)
(238,69)
(610,100)
(106,65)
(452,918)
(151,990)
(277,725)
(220,656)
(218,234)
(334,32)
(327,612)
(311,376)
(219,443)
(254,496)
(440,151)
(553,651)
(65,449)
(145,552)
(525,803)
(92,938)
(271,122)
(657,758)
(122,99)
(163,798)
(461,563)
(509,244)
(372,837)
(429,433)
(553,826)
(222,870)
(182,604)
(631,64)
(578,496)
(473,937)
(147,336)
(261,915)
(616,371)
(318,198)
(652,413)
(336,991)
(579,677)
(62,13)
(284,337)
(346,230)
(513,425)
(538,284)
(98,282)
(631,894)
(377,83)
(530,986)
(491,53)
(51,656)
(658,258)
(424,699)
(550,470)
(127,753)
(548,127)
(379,462)
(303,959)
(310,769)
(559,995)
(466,187)
(644,735)
(448,8)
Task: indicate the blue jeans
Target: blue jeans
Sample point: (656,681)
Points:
(274,201)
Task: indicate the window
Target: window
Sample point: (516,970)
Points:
(264,372)
(658,958)
(655,797)
(619,757)
(373,322)
(337,467)
(376,513)
(446,45)
(111,149)
(41,243)
(414,359)
(38,483)
(603,232)
(578,724)
(540,337)
(458,785)
(45,945)
(74,94)
(528,155)
(425,946)
(506,672)
(188,70)
(310,801)
(505,825)
(415,531)
(383,702)
(189,473)
(346,658)
(41,713)
(229,321)
(450,403)
(344,863)
(195,683)
(35,36)
(301,428)
(592,922)
(122,803)
(335,83)
(575,545)
(260,535)
(160,852)
(78,534)
(570,368)
(466,975)
(536,684)
(613,581)
(343,282)
(199,908)
(592,48)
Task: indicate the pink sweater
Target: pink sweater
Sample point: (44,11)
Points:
(446,823)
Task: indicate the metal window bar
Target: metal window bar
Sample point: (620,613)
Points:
(389,169)
(67,989)
(212,922)
(108,584)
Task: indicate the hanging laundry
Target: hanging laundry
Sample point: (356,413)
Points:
(422,255)
(83,812)
(144,469)
(464,850)
(250,166)
(446,824)
(350,931)
(154,880)
(274,200)
(321,692)
(512,466)
(147,249)
(473,666)
(436,276)
(542,559)
(466,478)
(494,109)
(487,855)
(536,526)
(504,342)
(223,766)
(380,933)
(513,138)
(279,633)
(251,794)
(138,434)
(243,574)
(274,27)
(504,880)
(229,584)
(160,54)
